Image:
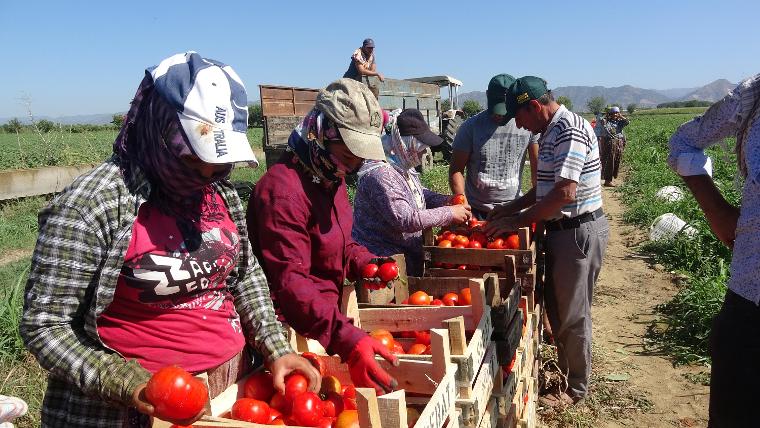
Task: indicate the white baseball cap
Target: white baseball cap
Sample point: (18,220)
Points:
(211,103)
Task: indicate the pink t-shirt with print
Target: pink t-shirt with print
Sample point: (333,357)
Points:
(171,304)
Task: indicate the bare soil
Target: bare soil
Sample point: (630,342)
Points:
(629,288)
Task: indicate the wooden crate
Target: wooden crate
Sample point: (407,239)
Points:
(524,257)
(511,341)
(489,381)
(434,378)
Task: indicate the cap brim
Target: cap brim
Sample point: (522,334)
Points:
(365,146)
(216,145)
(498,108)
(429,138)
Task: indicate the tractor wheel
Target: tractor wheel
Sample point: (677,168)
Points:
(449,132)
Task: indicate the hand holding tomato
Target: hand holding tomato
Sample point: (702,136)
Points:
(460,213)
(173,395)
(502,226)
(458,199)
(290,363)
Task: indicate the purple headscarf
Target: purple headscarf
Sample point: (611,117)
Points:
(152,139)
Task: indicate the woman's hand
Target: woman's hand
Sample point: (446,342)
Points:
(140,402)
(290,363)
(462,213)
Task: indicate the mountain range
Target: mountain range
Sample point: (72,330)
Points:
(627,94)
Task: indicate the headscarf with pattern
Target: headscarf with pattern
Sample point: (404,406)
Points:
(307,141)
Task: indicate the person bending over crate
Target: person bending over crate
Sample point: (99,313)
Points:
(568,197)
(144,262)
(391,207)
(300,220)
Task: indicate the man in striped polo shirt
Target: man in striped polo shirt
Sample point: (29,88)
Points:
(568,197)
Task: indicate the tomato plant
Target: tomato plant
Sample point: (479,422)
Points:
(259,386)
(251,410)
(176,394)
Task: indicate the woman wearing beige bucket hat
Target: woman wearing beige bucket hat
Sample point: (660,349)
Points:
(300,220)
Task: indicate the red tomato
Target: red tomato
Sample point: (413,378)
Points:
(496,244)
(259,386)
(442,235)
(461,240)
(388,271)
(437,302)
(419,298)
(459,246)
(417,349)
(444,243)
(307,409)
(397,348)
(462,267)
(369,270)
(422,337)
(325,422)
(383,336)
(451,236)
(512,242)
(349,404)
(274,414)
(176,394)
(315,361)
(457,199)
(278,421)
(474,244)
(250,410)
(450,299)
(347,419)
(465,296)
(295,385)
(349,391)
(473,224)
(279,402)
(333,403)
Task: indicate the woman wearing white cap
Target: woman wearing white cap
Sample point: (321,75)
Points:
(611,143)
(145,262)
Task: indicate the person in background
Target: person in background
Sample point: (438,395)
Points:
(391,206)
(301,221)
(568,198)
(144,262)
(735,335)
(611,143)
(493,151)
(363,63)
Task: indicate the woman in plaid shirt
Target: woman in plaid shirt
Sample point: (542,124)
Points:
(145,261)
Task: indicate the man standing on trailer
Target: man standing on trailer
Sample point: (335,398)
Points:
(363,62)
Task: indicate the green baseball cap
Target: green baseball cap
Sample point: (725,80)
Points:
(496,94)
(522,91)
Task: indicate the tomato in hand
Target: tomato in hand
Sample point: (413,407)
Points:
(315,361)
(388,271)
(176,394)
(259,386)
(369,270)
(450,299)
(458,199)
(419,298)
(295,385)
(307,409)
(250,410)
(465,296)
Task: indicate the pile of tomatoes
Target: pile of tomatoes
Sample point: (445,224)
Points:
(420,346)
(463,298)
(333,407)
(376,276)
(477,239)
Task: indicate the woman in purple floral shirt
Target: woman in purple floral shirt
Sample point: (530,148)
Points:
(391,207)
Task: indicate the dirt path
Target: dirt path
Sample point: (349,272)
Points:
(629,288)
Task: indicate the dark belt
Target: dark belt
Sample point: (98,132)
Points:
(574,222)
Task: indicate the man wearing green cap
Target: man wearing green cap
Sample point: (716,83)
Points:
(568,197)
(493,151)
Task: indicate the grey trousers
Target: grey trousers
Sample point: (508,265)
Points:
(573,261)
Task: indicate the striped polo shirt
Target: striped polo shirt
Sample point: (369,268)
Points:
(568,150)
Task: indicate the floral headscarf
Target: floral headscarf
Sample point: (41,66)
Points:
(307,141)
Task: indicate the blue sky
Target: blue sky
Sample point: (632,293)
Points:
(78,57)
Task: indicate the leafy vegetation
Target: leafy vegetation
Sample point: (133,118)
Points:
(471,108)
(690,103)
(596,105)
(565,101)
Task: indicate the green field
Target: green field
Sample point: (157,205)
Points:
(29,149)
(703,261)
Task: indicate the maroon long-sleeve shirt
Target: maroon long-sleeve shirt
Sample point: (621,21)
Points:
(301,232)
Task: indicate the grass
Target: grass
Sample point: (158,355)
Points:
(702,260)
(60,147)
